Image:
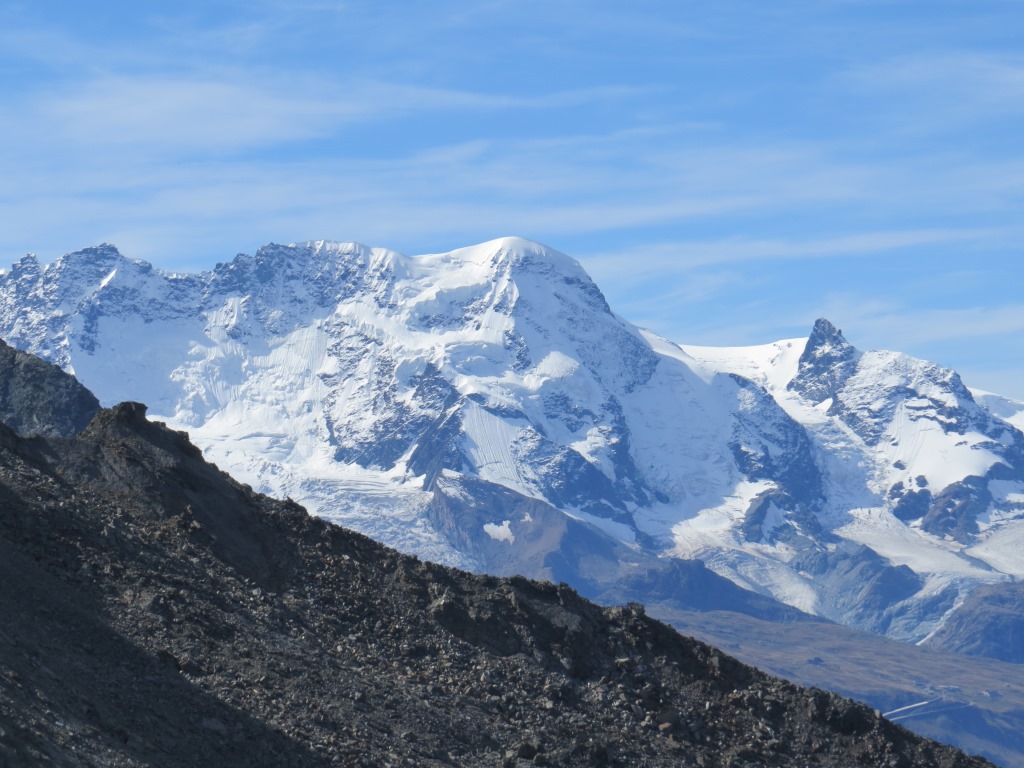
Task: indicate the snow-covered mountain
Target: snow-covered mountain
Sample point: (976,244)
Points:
(916,473)
(486,408)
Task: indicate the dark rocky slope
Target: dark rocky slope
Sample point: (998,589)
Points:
(973,702)
(38,398)
(154,612)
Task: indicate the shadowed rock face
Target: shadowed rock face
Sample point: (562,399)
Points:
(827,362)
(154,612)
(38,398)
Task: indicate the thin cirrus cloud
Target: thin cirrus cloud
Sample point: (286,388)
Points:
(544,187)
(666,258)
(930,326)
(937,93)
(236,113)
(986,78)
(537,188)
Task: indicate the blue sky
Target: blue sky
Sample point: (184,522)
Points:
(726,171)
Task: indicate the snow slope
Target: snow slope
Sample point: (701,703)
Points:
(1005,408)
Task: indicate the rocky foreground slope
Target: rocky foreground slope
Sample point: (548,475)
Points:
(155,612)
(38,398)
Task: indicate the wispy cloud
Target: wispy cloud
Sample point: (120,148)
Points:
(907,327)
(983,78)
(235,113)
(940,92)
(551,188)
(674,258)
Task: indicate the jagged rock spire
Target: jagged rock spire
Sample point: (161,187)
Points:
(827,362)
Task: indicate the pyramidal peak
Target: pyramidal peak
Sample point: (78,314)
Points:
(826,345)
(824,331)
(828,360)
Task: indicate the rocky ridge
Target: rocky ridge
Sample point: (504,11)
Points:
(38,398)
(155,612)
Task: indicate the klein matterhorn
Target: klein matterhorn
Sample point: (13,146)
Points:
(485,408)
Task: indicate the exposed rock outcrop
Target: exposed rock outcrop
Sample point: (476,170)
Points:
(38,398)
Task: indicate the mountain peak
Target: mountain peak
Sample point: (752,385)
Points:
(91,264)
(513,252)
(824,329)
(827,361)
(514,244)
(103,252)
(26,265)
